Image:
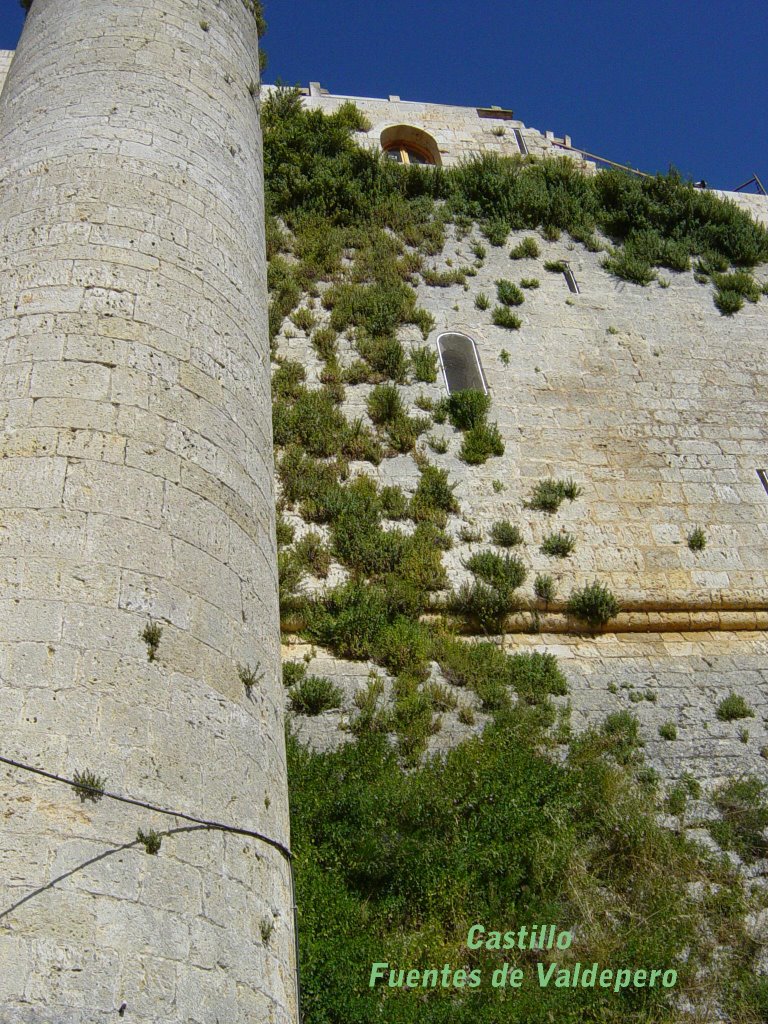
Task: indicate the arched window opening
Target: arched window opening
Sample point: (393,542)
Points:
(406,144)
(460,363)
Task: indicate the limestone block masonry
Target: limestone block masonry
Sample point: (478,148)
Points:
(136,485)
(6,56)
(457,132)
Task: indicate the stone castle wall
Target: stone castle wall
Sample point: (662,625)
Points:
(136,485)
(655,404)
(6,56)
(458,132)
(648,397)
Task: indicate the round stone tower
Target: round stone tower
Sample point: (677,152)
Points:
(138,594)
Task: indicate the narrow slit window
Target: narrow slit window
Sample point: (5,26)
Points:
(520,141)
(460,363)
(570,280)
(762,475)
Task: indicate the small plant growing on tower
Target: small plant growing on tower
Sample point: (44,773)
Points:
(504,357)
(548,495)
(734,707)
(205,26)
(150,841)
(505,534)
(385,406)
(480,443)
(293,672)
(544,588)
(424,362)
(468,408)
(482,301)
(89,786)
(558,545)
(697,540)
(529,282)
(556,266)
(728,301)
(503,316)
(668,731)
(594,604)
(151,637)
(439,445)
(508,293)
(315,694)
(434,496)
(571,489)
(496,232)
(304,319)
(313,554)
(250,677)
(744,817)
(504,572)
(677,800)
(528,248)
(284,532)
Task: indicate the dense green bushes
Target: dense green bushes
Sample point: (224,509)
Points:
(394,866)
(594,603)
(744,817)
(313,695)
(378,309)
(467,411)
(312,420)
(315,169)
(480,443)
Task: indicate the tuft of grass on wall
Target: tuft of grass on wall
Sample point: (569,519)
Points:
(502,316)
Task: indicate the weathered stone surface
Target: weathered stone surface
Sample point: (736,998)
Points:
(655,405)
(630,391)
(136,484)
(456,132)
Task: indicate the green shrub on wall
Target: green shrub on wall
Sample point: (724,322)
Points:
(394,866)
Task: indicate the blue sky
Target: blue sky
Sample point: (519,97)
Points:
(646,83)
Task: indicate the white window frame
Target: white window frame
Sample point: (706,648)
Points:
(475,351)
